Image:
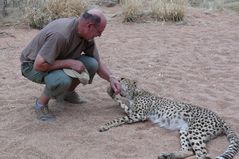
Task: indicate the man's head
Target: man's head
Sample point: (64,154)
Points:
(91,24)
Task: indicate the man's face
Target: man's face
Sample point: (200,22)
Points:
(92,31)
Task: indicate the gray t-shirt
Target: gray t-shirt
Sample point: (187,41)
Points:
(59,40)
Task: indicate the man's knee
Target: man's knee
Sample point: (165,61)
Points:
(57,82)
(90,63)
(92,66)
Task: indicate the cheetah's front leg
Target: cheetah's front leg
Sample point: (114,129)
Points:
(124,106)
(122,120)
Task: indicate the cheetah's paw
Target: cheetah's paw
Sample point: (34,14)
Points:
(166,156)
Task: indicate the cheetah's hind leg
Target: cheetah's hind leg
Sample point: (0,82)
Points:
(176,155)
(185,151)
(198,143)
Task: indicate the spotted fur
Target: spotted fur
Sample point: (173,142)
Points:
(196,125)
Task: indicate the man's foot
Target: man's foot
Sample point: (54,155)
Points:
(43,113)
(74,98)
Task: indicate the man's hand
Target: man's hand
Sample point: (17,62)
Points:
(76,65)
(115,85)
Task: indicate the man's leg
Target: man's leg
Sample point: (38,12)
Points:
(92,66)
(57,82)
(41,107)
(43,99)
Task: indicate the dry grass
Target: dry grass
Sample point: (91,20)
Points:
(40,15)
(215,4)
(159,10)
(233,6)
(66,8)
(132,10)
(168,10)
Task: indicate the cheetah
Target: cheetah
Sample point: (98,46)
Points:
(196,125)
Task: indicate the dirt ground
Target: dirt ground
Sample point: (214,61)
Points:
(196,61)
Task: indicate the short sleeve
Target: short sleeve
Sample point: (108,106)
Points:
(54,44)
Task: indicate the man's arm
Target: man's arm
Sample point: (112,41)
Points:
(103,70)
(105,73)
(42,65)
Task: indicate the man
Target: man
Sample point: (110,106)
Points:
(66,43)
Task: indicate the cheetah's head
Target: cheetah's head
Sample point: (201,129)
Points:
(127,87)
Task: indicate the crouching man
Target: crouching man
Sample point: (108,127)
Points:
(65,44)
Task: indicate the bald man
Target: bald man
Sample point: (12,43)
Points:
(66,43)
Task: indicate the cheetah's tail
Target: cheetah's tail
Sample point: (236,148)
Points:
(233,143)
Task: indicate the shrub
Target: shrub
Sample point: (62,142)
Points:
(212,4)
(132,10)
(40,15)
(66,8)
(233,6)
(166,10)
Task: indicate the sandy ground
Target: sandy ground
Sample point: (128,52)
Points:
(196,62)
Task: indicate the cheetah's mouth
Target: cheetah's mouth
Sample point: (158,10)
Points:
(122,95)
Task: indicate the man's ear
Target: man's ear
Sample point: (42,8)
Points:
(88,25)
